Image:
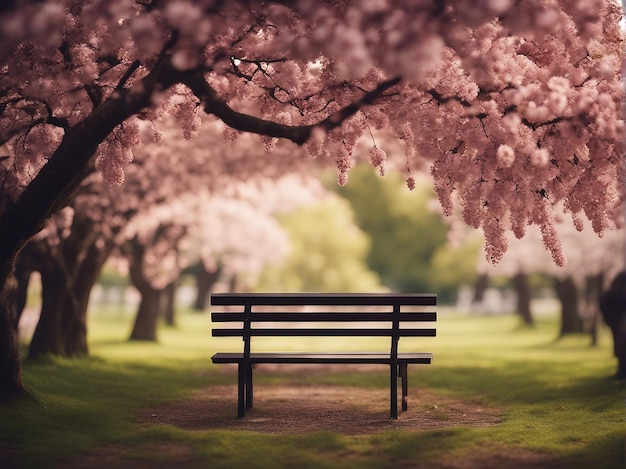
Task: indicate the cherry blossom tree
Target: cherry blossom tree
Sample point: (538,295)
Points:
(235,230)
(148,221)
(514,103)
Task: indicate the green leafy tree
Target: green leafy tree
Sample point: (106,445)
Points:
(327,252)
(454,265)
(405,231)
(412,248)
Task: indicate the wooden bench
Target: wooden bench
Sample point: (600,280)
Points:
(335,315)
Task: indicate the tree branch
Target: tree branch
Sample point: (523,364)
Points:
(213,104)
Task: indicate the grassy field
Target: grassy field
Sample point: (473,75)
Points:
(556,399)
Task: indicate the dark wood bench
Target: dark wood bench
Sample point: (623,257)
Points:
(324,315)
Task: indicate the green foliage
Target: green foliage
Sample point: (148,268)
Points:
(556,399)
(452,266)
(409,239)
(327,252)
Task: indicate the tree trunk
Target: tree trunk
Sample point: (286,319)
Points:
(204,283)
(520,281)
(11,382)
(145,327)
(169,300)
(593,290)
(68,273)
(567,292)
(23,270)
(62,326)
(613,308)
(48,335)
(480,286)
(619,347)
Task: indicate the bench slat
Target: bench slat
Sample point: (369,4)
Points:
(325,358)
(323,332)
(323,299)
(284,316)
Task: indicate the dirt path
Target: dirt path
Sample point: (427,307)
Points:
(297,409)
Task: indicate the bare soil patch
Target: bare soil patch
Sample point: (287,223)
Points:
(299,409)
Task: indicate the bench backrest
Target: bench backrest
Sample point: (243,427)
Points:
(361,315)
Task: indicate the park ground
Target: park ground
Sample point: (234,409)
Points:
(497,395)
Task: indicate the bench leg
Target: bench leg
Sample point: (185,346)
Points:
(404,375)
(241,389)
(393,384)
(249,390)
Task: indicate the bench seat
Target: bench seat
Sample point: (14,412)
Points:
(356,358)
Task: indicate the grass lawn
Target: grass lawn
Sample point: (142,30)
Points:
(556,399)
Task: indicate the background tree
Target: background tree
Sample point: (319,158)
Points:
(405,232)
(328,258)
(589,258)
(457,82)
(70,257)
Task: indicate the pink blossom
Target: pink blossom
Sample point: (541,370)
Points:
(506,156)
(540,157)
(377,157)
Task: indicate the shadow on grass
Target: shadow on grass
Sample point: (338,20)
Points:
(84,402)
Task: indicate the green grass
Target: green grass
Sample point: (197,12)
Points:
(556,398)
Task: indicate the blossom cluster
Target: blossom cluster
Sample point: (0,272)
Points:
(514,106)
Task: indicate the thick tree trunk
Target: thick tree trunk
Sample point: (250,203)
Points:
(567,293)
(11,381)
(62,326)
(204,283)
(520,281)
(68,273)
(48,335)
(613,308)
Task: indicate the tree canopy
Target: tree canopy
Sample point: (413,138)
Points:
(513,105)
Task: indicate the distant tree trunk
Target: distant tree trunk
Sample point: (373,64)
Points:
(67,280)
(169,303)
(145,326)
(593,290)
(520,281)
(205,280)
(613,309)
(480,286)
(567,293)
